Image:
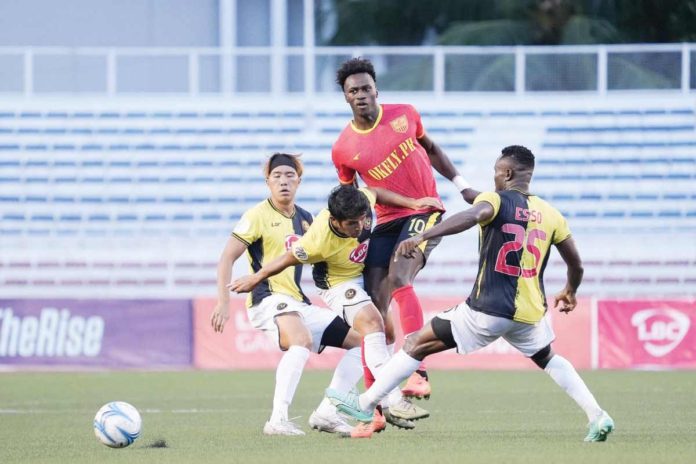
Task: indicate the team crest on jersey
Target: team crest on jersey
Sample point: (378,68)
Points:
(305,226)
(399,124)
(368,224)
(289,240)
(350,293)
(281,306)
(359,253)
(301,253)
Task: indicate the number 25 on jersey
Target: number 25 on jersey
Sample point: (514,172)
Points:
(516,244)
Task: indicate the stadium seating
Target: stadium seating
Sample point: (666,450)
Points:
(137,198)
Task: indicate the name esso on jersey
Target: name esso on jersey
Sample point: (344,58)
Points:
(52,333)
(527,215)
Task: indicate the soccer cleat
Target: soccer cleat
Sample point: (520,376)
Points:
(379,422)
(405,409)
(332,423)
(600,428)
(397,421)
(349,403)
(416,387)
(362,430)
(284,427)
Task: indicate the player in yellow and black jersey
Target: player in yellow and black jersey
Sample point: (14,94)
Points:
(336,245)
(508,298)
(279,307)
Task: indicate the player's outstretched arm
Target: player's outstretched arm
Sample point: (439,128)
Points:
(565,300)
(247,283)
(233,250)
(389,198)
(481,212)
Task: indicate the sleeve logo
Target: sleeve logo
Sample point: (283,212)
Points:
(399,124)
(300,253)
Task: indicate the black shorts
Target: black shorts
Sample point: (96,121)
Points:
(385,237)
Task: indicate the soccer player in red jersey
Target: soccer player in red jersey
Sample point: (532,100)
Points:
(389,148)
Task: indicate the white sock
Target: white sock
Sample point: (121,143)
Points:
(564,374)
(346,375)
(288,374)
(376,354)
(394,397)
(390,349)
(348,371)
(399,367)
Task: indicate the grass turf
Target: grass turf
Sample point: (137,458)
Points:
(511,417)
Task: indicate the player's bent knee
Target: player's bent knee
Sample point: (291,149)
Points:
(542,357)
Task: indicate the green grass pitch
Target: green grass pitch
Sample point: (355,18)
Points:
(510,417)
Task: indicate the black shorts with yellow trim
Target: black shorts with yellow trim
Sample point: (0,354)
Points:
(386,237)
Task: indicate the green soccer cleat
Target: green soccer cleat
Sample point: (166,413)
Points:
(600,428)
(397,421)
(405,409)
(348,403)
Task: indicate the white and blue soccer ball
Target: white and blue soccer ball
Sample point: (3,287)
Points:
(117,424)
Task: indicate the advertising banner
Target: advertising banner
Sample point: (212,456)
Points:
(647,334)
(241,346)
(95,333)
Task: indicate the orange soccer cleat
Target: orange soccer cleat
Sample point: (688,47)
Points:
(379,423)
(416,387)
(362,430)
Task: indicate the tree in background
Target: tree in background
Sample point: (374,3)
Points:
(504,22)
(512,22)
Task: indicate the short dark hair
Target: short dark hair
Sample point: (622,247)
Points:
(292,158)
(354,66)
(523,156)
(347,202)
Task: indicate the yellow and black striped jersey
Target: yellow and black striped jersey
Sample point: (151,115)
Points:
(268,234)
(514,249)
(335,258)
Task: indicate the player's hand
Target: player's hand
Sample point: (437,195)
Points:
(565,301)
(243,284)
(427,202)
(408,247)
(219,318)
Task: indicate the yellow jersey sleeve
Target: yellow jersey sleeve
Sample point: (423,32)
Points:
(371,197)
(311,247)
(248,229)
(562,231)
(492,198)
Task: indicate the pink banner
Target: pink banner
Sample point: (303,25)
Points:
(647,334)
(243,347)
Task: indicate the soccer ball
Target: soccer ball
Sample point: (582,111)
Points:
(117,424)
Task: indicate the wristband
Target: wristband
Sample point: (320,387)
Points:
(460,183)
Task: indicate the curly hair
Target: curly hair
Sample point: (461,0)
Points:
(354,66)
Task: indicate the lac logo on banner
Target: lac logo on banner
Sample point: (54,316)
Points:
(644,334)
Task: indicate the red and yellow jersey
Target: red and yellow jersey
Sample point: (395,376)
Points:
(335,258)
(389,156)
(514,249)
(268,234)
